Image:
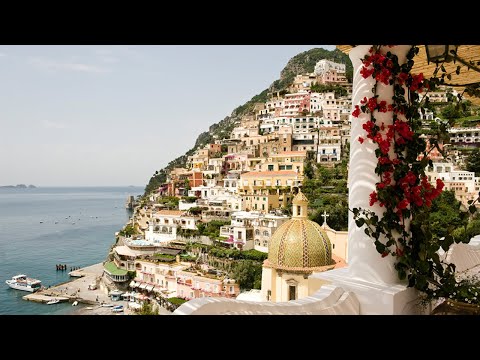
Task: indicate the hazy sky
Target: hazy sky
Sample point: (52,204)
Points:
(112,115)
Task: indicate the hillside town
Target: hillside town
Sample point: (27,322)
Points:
(216,218)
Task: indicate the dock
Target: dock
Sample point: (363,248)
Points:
(44,298)
(75,290)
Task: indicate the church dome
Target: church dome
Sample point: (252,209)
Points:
(300,244)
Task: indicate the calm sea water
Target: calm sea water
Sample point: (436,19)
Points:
(78,227)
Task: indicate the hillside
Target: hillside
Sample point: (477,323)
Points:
(299,64)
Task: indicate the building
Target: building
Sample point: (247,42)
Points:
(114,273)
(267,190)
(263,228)
(468,137)
(288,160)
(192,284)
(297,249)
(329,72)
(165,223)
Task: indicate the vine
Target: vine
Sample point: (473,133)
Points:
(403,189)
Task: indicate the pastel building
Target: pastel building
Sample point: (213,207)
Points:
(164,224)
(264,225)
(267,190)
(330,72)
(193,284)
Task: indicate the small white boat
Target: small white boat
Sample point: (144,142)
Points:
(22,282)
(53,301)
(89,308)
(118,308)
(75,303)
(107,305)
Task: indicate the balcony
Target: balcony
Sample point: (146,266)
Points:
(226,231)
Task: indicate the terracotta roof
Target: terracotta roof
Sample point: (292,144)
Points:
(290,153)
(271,173)
(170,212)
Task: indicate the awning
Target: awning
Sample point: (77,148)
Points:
(142,286)
(149,287)
(133,284)
(157,290)
(134,305)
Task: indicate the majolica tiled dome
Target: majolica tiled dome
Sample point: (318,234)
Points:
(299,244)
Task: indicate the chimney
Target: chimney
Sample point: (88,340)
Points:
(177,258)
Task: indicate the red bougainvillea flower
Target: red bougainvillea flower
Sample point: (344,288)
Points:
(372,104)
(373,198)
(356,112)
(417,83)
(402,77)
(366,72)
(385,253)
(361,140)
(402,204)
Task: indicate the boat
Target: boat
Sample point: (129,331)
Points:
(22,282)
(118,308)
(53,301)
(75,303)
(107,305)
(89,308)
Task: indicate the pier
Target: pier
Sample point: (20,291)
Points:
(75,290)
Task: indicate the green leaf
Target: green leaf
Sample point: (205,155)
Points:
(449,77)
(458,70)
(472,209)
(360,222)
(443,68)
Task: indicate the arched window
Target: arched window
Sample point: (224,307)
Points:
(257,232)
(257,242)
(265,233)
(265,243)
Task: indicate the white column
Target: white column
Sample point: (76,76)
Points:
(370,277)
(364,261)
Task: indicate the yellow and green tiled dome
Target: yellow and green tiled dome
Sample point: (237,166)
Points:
(299,244)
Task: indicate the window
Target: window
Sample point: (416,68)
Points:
(232,291)
(265,243)
(265,233)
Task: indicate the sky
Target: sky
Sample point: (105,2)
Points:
(112,115)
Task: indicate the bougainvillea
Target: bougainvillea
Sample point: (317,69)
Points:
(403,189)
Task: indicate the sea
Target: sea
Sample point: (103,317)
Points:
(41,227)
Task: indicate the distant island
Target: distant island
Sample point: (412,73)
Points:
(19,186)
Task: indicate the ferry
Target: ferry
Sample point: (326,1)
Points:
(22,282)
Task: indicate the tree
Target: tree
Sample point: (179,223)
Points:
(196,210)
(445,214)
(128,231)
(248,274)
(308,170)
(473,162)
(147,309)
(450,112)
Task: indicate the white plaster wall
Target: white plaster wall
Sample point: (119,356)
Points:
(364,261)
